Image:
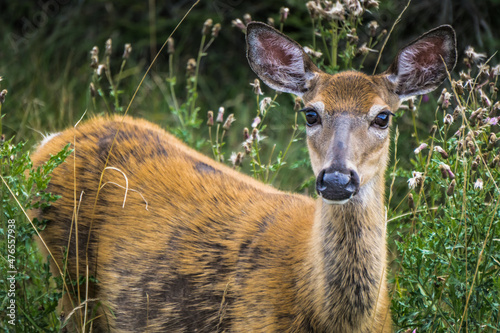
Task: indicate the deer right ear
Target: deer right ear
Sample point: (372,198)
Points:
(422,66)
(278,60)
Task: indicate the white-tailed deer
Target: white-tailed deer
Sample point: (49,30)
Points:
(216,251)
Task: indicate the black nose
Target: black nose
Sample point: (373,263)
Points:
(337,184)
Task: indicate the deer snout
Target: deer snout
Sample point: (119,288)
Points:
(337,185)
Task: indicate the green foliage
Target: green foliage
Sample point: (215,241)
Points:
(26,277)
(447,268)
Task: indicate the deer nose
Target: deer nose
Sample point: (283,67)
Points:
(337,185)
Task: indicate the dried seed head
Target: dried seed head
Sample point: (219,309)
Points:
(93,92)
(127,50)
(478,185)
(373,26)
(246,134)
(446,100)
(247,145)
(109,47)
(220,115)
(313,9)
(411,203)
(472,56)
(284,11)
(236,159)
(371,4)
(239,24)
(495,71)
(255,134)
(474,165)
(191,67)
(207,27)
(316,54)
(417,179)
(460,145)
(441,151)
(493,89)
(420,148)
(448,119)
(270,21)
(495,162)
(484,99)
(230,119)
(298,104)
(492,139)
(444,172)
(433,129)
(216,30)
(458,111)
(264,104)
(210,118)
(247,18)
(458,86)
(352,38)
(451,188)
(472,147)
(256,122)
(411,104)
(256,87)
(170,46)
(100,69)
(441,97)
(364,50)
(3,93)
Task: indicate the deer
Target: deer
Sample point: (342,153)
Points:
(199,247)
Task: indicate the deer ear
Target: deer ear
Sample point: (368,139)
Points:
(422,66)
(278,60)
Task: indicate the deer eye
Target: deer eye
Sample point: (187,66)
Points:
(312,117)
(382,119)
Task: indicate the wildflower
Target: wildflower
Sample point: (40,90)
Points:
(246,134)
(354,7)
(230,119)
(495,162)
(441,151)
(472,56)
(433,130)
(256,87)
(298,104)
(216,30)
(191,67)
(210,121)
(239,24)
(411,202)
(3,93)
(247,18)
(352,37)
(458,111)
(464,76)
(284,14)
(472,147)
(255,134)
(170,46)
(270,21)
(373,26)
(127,49)
(247,145)
(415,180)
(492,139)
(220,115)
(264,104)
(448,119)
(256,122)
(484,69)
(451,188)
(478,185)
(371,4)
(109,46)
(492,121)
(420,148)
(207,27)
(316,54)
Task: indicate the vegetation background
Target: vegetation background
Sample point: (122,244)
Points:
(45,65)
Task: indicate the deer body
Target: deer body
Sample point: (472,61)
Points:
(216,251)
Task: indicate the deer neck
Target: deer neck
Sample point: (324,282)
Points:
(348,253)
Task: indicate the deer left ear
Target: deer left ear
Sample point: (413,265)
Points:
(422,66)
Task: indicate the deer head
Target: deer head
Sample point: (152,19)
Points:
(348,114)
